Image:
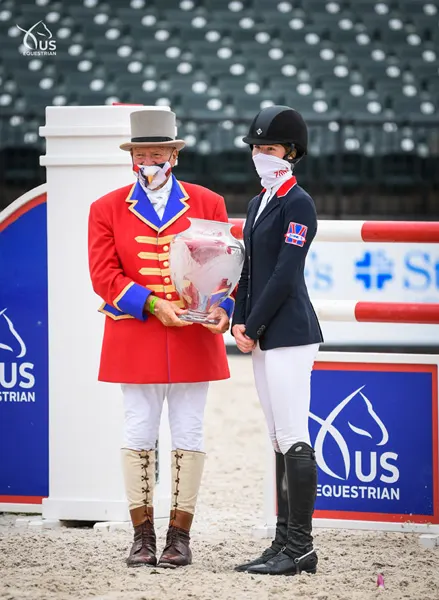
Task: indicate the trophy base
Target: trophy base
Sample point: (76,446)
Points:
(200,318)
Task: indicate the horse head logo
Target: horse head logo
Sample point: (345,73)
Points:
(11,339)
(30,39)
(371,427)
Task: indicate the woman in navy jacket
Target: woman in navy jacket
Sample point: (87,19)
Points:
(274,319)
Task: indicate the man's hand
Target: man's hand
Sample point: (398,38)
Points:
(223,318)
(244,343)
(167,312)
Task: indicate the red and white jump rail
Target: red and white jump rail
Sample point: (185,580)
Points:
(372,231)
(377,312)
(368,231)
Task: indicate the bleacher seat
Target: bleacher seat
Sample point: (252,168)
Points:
(332,60)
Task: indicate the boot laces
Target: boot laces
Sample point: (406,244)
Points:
(146,535)
(172,536)
(175,535)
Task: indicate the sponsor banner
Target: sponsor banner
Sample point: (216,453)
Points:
(24,354)
(375,273)
(374,428)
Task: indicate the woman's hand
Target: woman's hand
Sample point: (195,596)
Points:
(244,343)
(167,312)
(219,314)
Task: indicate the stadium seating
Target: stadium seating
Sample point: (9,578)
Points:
(363,72)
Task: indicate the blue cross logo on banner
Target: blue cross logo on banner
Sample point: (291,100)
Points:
(374,270)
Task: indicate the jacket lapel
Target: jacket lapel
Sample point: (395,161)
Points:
(271,206)
(142,207)
(252,214)
(176,205)
(274,202)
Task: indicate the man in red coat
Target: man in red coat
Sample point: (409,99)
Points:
(146,347)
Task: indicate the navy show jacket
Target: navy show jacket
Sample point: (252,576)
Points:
(272,298)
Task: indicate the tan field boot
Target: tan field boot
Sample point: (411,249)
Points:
(187,470)
(139,475)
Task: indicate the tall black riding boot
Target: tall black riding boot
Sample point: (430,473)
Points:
(298,554)
(280,538)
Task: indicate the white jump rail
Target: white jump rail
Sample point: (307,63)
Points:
(377,312)
(368,231)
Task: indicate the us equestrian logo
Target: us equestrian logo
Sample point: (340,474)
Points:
(38,40)
(16,375)
(382,465)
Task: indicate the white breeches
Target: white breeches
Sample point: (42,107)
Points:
(143,408)
(283,382)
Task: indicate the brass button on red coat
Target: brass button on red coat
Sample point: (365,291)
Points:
(166,263)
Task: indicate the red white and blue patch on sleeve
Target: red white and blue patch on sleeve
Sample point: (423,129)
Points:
(296,234)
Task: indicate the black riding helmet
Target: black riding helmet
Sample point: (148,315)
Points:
(279,125)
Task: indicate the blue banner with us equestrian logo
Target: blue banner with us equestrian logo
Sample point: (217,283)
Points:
(374,430)
(24,476)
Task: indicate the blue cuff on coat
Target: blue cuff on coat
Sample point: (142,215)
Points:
(113,313)
(229,305)
(132,300)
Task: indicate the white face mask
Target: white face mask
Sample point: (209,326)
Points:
(152,177)
(271,169)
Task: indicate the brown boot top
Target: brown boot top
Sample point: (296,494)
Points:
(181,519)
(141,515)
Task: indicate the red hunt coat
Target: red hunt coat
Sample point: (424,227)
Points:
(128,260)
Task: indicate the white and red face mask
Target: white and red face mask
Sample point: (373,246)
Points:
(272,170)
(152,177)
